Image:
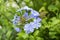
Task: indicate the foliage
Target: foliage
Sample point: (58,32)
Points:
(49,13)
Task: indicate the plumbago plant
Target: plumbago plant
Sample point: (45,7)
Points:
(27,23)
(29,19)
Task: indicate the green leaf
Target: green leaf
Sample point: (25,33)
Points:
(38,38)
(36,33)
(31,37)
(23,35)
(52,8)
(52,34)
(54,21)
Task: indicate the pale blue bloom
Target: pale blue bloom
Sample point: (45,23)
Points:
(37,25)
(31,26)
(34,13)
(26,16)
(28,28)
(14,22)
(16,19)
(17,29)
(37,20)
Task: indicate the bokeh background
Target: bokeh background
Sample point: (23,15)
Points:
(49,13)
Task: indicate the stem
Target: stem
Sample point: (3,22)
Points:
(7,18)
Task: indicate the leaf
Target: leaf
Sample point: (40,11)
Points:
(52,34)
(31,37)
(38,38)
(22,35)
(52,8)
(54,21)
(36,33)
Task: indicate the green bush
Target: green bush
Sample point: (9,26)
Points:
(49,13)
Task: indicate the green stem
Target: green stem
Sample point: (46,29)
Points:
(7,18)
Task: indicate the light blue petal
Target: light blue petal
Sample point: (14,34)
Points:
(37,20)
(17,29)
(34,13)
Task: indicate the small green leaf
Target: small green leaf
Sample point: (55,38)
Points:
(38,38)
(36,33)
(23,35)
(31,37)
(52,8)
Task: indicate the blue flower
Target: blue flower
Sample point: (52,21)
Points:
(16,19)
(17,29)
(37,20)
(37,25)
(14,22)
(26,16)
(28,28)
(34,13)
(31,26)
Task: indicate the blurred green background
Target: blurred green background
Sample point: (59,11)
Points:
(49,12)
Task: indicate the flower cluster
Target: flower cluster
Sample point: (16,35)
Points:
(29,27)
(32,25)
